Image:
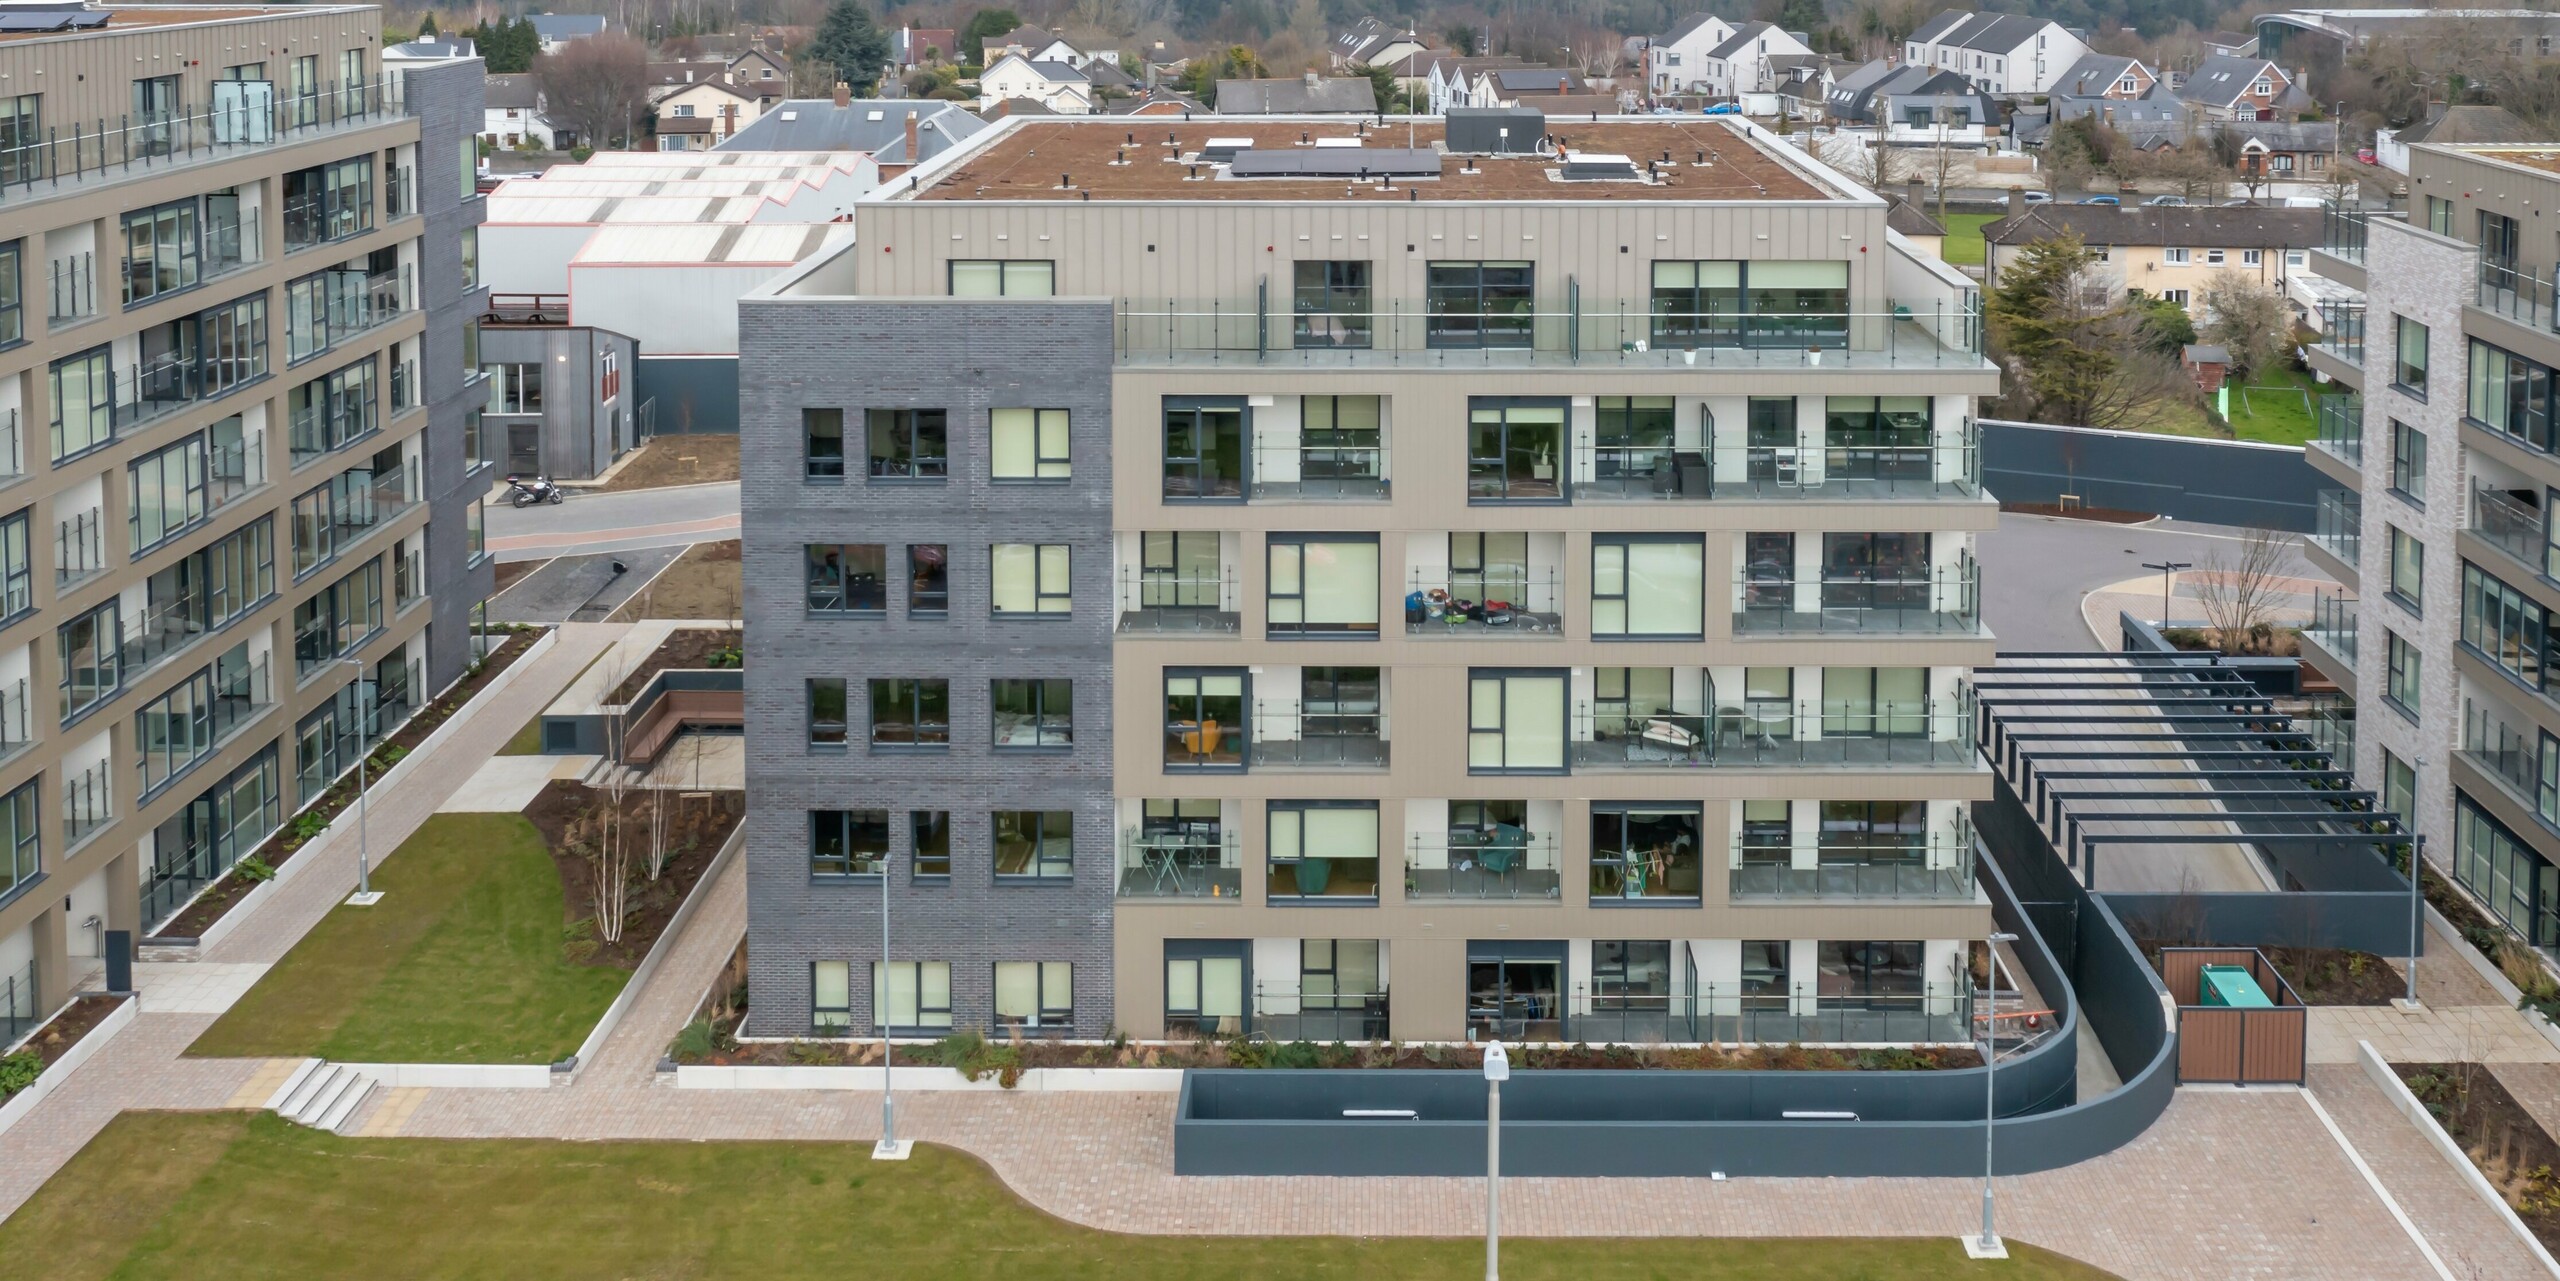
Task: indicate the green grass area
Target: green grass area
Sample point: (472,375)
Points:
(461,962)
(2279,407)
(527,740)
(1963,245)
(216,1196)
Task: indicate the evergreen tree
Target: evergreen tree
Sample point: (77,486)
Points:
(972,36)
(427,26)
(852,43)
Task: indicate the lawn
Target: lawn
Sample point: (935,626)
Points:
(214,1196)
(2272,409)
(1963,246)
(527,740)
(461,962)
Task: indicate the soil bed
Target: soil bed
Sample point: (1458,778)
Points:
(702,585)
(2106,515)
(688,647)
(2510,1148)
(678,460)
(68,1028)
(2321,975)
(696,827)
(511,572)
(279,849)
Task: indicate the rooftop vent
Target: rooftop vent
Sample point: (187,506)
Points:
(1219,151)
(1339,162)
(790,116)
(1337,142)
(1594,166)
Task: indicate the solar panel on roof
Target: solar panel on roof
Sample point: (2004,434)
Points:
(85,20)
(34,20)
(1339,162)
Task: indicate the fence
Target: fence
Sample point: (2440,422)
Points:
(2224,482)
(243,115)
(2235,1045)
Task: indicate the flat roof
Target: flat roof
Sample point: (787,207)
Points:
(134,17)
(2545,158)
(1709,160)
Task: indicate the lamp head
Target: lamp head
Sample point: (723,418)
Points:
(1497,1062)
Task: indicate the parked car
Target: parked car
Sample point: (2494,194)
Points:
(2101,200)
(2163,202)
(2364,155)
(2039,197)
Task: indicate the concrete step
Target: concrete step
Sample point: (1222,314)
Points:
(301,1073)
(359,1088)
(316,1083)
(341,1083)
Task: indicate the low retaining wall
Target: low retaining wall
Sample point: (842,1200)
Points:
(457,1076)
(657,956)
(2398,1092)
(25,1101)
(1033,1081)
(2221,482)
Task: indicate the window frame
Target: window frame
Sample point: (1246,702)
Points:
(1041,691)
(1275,546)
(1005,277)
(1045,1016)
(2401,369)
(1503,677)
(2403,675)
(2408,555)
(2408,462)
(847,825)
(815,467)
(1046,468)
(1623,599)
(1050,601)
(925,1012)
(817,726)
(905,426)
(880,693)
(1041,862)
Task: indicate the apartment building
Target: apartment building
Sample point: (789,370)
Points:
(1285,576)
(2442,445)
(2177,252)
(234,267)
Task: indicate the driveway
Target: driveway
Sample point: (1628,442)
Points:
(2035,569)
(610,522)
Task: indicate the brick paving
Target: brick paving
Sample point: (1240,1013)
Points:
(2472,1238)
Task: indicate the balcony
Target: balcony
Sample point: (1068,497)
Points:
(1318,473)
(1498,602)
(1181,860)
(240,695)
(540,310)
(1496,861)
(1943,602)
(2331,723)
(16,723)
(2517,294)
(1178,602)
(1566,330)
(2334,619)
(2337,523)
(2512,757)
(2344,228)
(86,804)
(1730,1014)
(1288,1012)
(1939,868)
(1286,736)
(79,547)
(2513,526)
(238,121)
(2342,331)
(225,247)
(1777,733)
(2338,428)
(71,289)
(349,303)
(1948,469)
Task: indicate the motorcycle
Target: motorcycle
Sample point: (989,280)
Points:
(538,490)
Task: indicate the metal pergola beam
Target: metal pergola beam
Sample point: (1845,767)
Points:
(2245,794)
(2234,816)
(2075,775)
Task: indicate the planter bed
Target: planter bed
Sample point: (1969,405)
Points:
(60,1046)
(696,828)
(59,1034)
(685,648)
(228,890)
(2510,1149)
(2324,975)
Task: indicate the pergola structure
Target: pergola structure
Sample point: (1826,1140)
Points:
(2173,763)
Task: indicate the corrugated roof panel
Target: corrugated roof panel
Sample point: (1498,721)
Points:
(644,244)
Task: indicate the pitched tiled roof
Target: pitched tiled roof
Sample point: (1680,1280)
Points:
(2189,226)
(2220,81)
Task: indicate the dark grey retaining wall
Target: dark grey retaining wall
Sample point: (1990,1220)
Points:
(2222,482)
(695,394)
(1698,1123)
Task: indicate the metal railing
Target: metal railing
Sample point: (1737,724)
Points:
(2334,618)
(2513,525)
(1779,732)
(2342,331)
(19,1015)
(2338,427)
(527,309)
(240,695)
(1331,472)
(2517,294)
(1951,468)
(86,804)
(1729,1014)
(1287,735)
(1490,602)
(2512,756)
(2331,724)
(79,546)
(1180,865)
(17,723)
(119,147)
(322,217)
(1496,862)
(1169,603)
(1288,1012)
(1939,868)
(2337,523)
(2345,227)
(360,304)
(1946,600)
(72,288)
(335,423)
(1566,329)
(13,446)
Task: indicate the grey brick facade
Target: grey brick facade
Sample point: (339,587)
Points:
(447,101)
(965,357)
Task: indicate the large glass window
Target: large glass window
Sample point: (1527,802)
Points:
(990,278)
(1875,702)
(822,444)
(168,488)
(908,444)
(1870,976)
(333,410)
(1204,454)
(2401,687)
(329,202)
(1697,303)
(2506,626)
(2410,369)
(826,711)
(1035,994)
(91,652)
(1516,722)
(847,578)
(19,843)
(1515,450)
(1876,438)
(1203,993)
(13,319)
(2408,461)
(1875,571)
(848,842)
(1330,305)
(1480,304)
(1323,585)
(1031,580)
(911,996)
(17,566)
(830,986)
(1033,713)
(1711,303)
(910,713)
(1644,852)
(1632,436)
(1323,849)
(84,393)
(1648,585)
(231,344)
(2408,569)
(1039,844)
(2505,872)
(161,250)
(1179,569)
(2511,394)
(1029,444)
(339,618)
(1341,447)
(932,832)
(928,580)
(1204,719)
(21,138)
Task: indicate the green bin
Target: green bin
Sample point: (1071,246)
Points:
(2230,985)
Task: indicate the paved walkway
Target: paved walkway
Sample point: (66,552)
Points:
(604,522)
(2288,599)
(2473,1239)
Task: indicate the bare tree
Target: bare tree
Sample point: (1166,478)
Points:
(2249,319)
(2237,590)
(598,86)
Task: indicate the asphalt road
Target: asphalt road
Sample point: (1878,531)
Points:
(603,522)
(2035,569)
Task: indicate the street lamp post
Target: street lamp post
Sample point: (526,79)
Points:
(2168,578)
(889,1148)
(365,896)
(1989,1245)
(2417,892)
(1497,1069)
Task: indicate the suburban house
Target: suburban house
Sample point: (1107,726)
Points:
(552,30)
(437,48)
(1058,87)
(2285,150)
(1373,43)
(913,47)
(761,71)
(2173,252)
(512,115)
(1675,60)
(2230,44)
(1740,65)
(1038,45)
(893,131)
(2236,88)
(2105,76)
(1910,104)
(722,109)
(2004,53)
(1508,86)
(2444,126)
(1307,95)
(1450,81)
